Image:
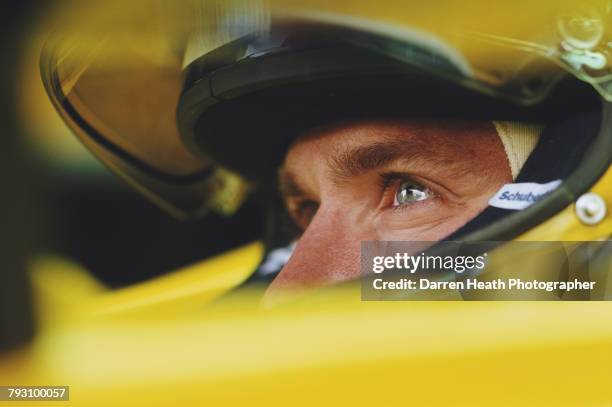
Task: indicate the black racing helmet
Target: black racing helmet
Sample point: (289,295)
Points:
(197,107)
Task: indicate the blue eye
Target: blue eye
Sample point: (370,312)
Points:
(409,192)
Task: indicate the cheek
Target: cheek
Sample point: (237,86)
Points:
(423,233)
(427,220)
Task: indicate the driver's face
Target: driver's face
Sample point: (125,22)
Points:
(416,180)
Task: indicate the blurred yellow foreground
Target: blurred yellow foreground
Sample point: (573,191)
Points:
(165,343)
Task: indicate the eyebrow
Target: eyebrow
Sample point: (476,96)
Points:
(353,162)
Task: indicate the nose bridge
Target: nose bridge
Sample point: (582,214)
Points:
(327,251)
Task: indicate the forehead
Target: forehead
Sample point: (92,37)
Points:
(442,136)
